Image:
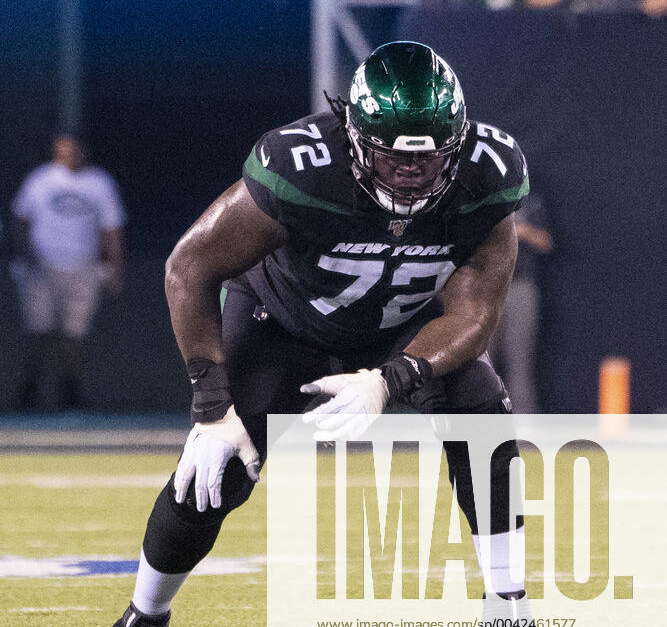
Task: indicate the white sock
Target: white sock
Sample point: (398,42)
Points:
(502,558)
(154,591)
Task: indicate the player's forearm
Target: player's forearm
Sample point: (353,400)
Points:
(472,299)
(451,341)
(194,307)
(192,290)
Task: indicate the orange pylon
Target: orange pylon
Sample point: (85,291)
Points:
(614,396)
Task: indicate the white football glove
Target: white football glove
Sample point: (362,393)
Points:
(358,400)
(207,451)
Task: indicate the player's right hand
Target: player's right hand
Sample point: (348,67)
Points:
(207,451)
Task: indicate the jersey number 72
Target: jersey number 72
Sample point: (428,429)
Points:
(369,272)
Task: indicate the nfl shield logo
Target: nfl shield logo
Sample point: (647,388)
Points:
(397,227)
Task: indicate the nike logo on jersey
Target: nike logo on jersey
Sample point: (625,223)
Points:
(375,248)
(265,159)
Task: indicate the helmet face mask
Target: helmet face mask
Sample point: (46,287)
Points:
(406,123)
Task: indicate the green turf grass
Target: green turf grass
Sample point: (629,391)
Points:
(106,520)
(59,505)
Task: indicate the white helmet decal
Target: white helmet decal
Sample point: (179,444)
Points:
(414,143)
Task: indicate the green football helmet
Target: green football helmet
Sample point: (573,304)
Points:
(406,120)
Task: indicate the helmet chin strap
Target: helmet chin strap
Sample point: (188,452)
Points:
(390,204)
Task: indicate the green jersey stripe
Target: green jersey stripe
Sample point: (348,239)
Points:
(284,190)
(505,195)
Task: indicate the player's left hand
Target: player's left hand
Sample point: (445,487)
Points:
(208,450)
(357,400)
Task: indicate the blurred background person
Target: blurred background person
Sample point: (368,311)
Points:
(515,341)
(68,220)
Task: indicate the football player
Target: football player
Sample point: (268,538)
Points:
(367,252)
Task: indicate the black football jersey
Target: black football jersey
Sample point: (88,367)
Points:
(352,270)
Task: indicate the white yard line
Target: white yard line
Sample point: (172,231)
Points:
(94,438)
(94,566)
(49,610)
(85,481)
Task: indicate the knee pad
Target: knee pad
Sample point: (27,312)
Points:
(177,535)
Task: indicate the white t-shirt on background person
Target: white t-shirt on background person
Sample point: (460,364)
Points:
(67,210)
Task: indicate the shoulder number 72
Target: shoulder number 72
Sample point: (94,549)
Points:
(324,158)
(486,130)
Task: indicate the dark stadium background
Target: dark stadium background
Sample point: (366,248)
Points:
(176,93)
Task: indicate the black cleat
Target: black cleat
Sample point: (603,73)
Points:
(134,618)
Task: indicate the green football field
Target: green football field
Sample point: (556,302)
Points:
(97,505)
(71,528)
